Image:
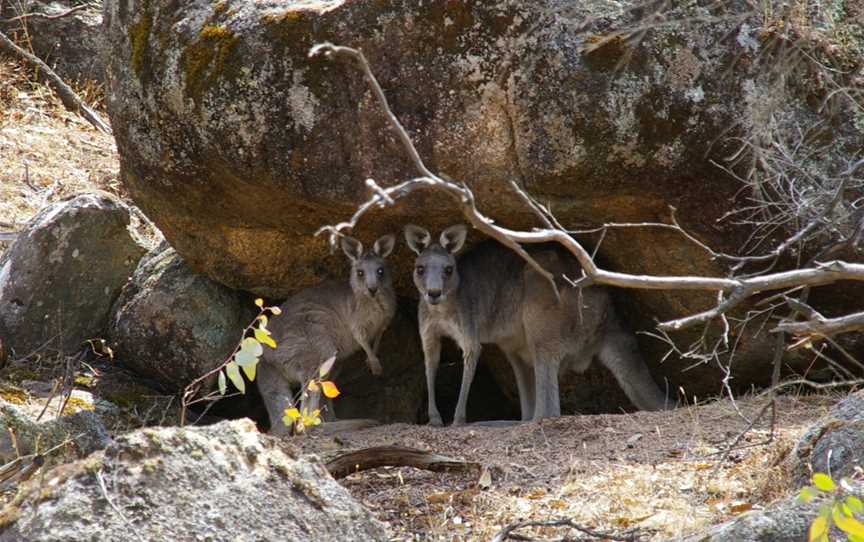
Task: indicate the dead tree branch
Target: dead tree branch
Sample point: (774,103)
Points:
(632,535)
(70,100)
(394,456)
(736,289)
(49,16)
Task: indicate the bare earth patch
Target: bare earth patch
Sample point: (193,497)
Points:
(653,470)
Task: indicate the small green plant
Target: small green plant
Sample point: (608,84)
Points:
(300,419)
(839,507)
(245,357)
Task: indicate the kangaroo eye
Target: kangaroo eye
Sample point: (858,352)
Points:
(420,270)
(380,271)
(448,270)
(360,273)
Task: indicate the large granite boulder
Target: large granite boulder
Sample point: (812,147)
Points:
(221,482)
(63,272)
(239,146)
(172,325)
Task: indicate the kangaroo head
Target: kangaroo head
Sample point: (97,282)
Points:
(435,273)
(369,272)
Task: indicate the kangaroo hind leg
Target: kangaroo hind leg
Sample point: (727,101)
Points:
(524,383)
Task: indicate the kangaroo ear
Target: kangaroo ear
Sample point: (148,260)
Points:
(453,238)
(417,238)
(351,247)
(384,246)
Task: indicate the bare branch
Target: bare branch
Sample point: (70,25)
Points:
(59,15)
(819,326)
(70,100)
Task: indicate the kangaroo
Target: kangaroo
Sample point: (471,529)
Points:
(491,295)
(332,318)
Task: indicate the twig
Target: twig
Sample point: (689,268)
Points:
(394,456)
(631,535)
(70,100)
(104,489)
(59,15)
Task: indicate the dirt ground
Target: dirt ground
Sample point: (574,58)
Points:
(658,472)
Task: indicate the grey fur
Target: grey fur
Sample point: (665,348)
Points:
(492,296)
(332,318)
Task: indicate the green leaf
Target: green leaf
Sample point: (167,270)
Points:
(818,528)
(223,386)
(823,482)
(233,371)
(250,351)
(855,538)
(326,366)
(807,494)
(846,524)
(250,371)
(855,504)
(264,337)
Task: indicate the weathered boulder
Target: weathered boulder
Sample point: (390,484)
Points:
(835,444)
(72,44)
(786,521)
(82,431)
(239,146)
(63,272)
(173,325)
(221,482)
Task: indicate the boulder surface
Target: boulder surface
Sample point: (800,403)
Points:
(221,482)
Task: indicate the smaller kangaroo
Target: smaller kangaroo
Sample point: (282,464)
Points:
(332,318)
(491,295)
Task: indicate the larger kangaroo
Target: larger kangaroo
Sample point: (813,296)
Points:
(332,318)
(491,295)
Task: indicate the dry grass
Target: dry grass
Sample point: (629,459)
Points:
(666,481)
(46,152)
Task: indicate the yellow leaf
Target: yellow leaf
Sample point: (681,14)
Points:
(292,413)
(823,482)
(313,386)
(846,524)
(259,302)
(855,504)
(818,528)
(264,337)
(330,389)
(276,311)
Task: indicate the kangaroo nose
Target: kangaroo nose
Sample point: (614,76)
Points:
(373,290)
(434,294)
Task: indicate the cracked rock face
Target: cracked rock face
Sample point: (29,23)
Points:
(221,482)
(239,146)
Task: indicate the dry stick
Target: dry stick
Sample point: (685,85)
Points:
(738,289)
(507,532)
(394,456)
(46,15)
(64,92)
